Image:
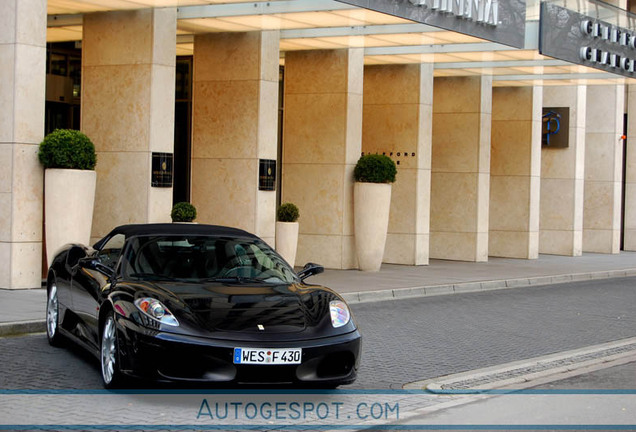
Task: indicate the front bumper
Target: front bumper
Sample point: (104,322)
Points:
(178,358)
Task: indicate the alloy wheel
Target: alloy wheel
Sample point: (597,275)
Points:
(52,316)
(52,311)
(109,352)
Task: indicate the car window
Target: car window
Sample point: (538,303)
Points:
(109,254)
(196,258)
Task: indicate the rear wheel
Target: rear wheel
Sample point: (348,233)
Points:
(52,316)
(109,354)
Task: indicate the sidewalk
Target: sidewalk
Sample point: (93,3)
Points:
(22,311)
(449,277)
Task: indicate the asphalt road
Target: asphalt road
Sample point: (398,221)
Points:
(409,340)
(405,341)
(417,339)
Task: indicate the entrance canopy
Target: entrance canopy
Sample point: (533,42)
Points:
(386,38)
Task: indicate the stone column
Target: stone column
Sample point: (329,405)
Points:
(460,179)
(397,121)
(321,145)
(515,172)
(128,79)
(562,171)
(603,169)
(629,234)
(22,74)
(235,121)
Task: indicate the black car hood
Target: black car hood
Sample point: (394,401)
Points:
(246,311)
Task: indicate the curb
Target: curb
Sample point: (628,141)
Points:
(22,327)
(530,372)
(481,384)
(468,287)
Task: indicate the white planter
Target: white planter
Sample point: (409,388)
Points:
(287,240)
(69,198)
(371,204)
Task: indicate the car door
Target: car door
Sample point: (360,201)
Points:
(87,286)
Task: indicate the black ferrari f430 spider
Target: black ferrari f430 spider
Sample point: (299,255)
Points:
(199,303)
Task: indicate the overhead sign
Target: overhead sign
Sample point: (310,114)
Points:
(502,21)
(577,38)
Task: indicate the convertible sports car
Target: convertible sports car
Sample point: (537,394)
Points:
(191,302)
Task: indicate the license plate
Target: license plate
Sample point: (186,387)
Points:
(267,356)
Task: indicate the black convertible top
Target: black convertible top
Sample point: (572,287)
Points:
(174,229)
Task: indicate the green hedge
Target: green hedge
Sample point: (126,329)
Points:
(67,148)
(183,212)
(287,212)
(373,168)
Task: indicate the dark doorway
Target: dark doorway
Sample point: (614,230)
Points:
(63,86)
(182,130)
(281,117)
(624,182)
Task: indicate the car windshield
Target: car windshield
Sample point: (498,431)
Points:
(204,258)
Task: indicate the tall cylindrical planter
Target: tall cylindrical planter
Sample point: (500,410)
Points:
(372,202)
(287,240)
(69,198)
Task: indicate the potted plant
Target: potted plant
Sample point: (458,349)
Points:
(373,176)
(183,212)
(287,231)
(69,159)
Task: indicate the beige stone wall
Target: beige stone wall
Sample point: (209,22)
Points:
(515,172)
(562,182)
(22,74)
(630,177)
(397,121)
(460,179)
(603,169)
(235,120)
(128,79)
(321,144)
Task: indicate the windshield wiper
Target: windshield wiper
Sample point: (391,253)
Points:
(234,279)
(152,277)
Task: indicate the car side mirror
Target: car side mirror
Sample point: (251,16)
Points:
(310,269)
(93,263)
(75,253)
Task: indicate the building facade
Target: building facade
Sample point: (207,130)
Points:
(456,93)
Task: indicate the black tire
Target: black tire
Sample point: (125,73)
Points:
(53,315)
(109,354)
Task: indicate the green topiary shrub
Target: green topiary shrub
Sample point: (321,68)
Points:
(67,148)
(183,212)
(373,168)
(287,212)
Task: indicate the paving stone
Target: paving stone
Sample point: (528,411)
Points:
(409,339)
(420,338)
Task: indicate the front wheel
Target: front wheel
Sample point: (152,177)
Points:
(109,354)
(52,316)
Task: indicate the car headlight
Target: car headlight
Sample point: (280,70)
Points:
(340,315)
(156,310)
